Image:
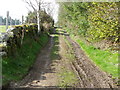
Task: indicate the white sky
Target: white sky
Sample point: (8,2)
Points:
(17,8)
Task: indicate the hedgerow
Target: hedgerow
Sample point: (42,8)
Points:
(103,20)
(94,20)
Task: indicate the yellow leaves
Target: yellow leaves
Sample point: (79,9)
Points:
(88,6)
(94,3)
(103,23)
(116,39)
(116,22)
(26,30)
(112,26)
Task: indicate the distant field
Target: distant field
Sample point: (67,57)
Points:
(2,28)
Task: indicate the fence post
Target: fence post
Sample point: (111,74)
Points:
(7,20)
(15,22)
(22,19)
(10,21)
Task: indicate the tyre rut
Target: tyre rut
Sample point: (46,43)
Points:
(89,73)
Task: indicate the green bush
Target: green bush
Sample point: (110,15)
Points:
(94,20)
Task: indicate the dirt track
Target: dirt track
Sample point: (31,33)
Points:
(40,70)
(90,75)
(43,74)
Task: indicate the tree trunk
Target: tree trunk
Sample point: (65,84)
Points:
(38,21)
(38,18)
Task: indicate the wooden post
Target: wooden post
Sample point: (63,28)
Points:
(27,21)
(22,19)
(10,21)
(7,20)
(15,22)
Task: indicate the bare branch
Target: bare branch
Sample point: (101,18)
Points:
(50,8)
(28,8)
(30,4)
(37,2)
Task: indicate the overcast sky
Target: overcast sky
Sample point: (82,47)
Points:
(17,8)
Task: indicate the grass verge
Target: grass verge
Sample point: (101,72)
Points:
(106,60)
(14,68)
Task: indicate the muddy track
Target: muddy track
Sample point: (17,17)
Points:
(41,74)
(89,74)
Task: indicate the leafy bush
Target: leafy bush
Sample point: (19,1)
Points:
(103,20)
(94,20)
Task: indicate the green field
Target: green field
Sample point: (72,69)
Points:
(2,28)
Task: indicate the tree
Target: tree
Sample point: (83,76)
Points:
(32,17)
(46,20)
(95,20)
(36,7)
